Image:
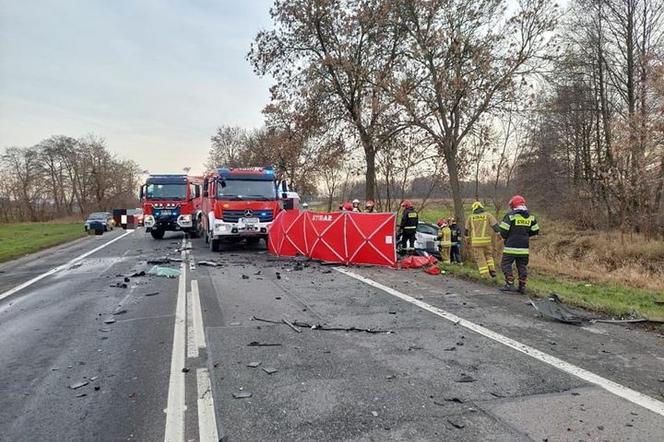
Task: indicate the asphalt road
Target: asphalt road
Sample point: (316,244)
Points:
(208,355)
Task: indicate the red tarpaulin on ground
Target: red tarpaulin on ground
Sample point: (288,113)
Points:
(342,237)
(415,262)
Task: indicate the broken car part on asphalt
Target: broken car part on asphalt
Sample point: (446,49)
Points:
(165,272)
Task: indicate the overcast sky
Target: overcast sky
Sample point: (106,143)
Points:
(153,77)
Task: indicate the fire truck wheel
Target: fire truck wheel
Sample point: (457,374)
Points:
(157,233)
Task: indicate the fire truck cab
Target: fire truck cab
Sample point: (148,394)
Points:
(239,204)
(171,203)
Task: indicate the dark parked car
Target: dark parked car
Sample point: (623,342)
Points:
(103,218)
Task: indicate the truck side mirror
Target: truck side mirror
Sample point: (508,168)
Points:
(197,191)
(205,188)
(140,193)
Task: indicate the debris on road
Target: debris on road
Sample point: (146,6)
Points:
(345,329)
(209,263)
(119,312)
(245,277)
(278,275)
(185,370)
(234,324)
(253,364)
(456,423)
(261,344)
(162,260)
(242,395)
(78,385)
(466,378)
(166,272)
(270,370)
(105,330)
(109,321)
(297,330)
(119,285)
(374,413)
(552,308)
(322,327)
(151,294)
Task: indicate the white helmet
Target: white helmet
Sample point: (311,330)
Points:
(356,201)
(305,205)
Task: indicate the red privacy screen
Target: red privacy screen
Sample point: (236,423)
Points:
(341,237)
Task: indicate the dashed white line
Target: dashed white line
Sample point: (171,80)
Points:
(61,267)
(199,332)
(192,345)
(608,385)
(207,422)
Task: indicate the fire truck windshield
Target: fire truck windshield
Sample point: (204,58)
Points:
(246,190)
(166,191)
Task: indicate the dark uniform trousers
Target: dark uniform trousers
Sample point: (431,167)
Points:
(521,267)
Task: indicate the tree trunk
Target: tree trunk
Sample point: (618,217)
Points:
(370,174)
(452,170)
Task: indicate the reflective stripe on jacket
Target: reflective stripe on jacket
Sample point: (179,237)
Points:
(480,227)
(409,219)
(516,229)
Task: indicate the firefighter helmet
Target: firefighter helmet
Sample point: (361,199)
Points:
(476,205)
(442,222)
(356,201)
(406,204)
(516,201)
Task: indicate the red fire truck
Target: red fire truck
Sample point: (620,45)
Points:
(171,203)
(240,204)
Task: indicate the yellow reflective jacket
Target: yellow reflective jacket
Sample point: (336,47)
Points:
(480,226)
(445,236)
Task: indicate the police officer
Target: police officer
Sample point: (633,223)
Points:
(481,227)
(516,229)
(409,221)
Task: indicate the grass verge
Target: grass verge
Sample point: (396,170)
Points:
(612,299)
(19,239)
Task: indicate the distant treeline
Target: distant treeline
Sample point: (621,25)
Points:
(63,176)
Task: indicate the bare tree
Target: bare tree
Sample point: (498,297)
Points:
(462,60)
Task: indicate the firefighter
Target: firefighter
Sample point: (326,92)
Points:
(516,229)
(369,206)
(408,226)
(356,205)
(480,227)
(445,241)
(347,207)
(455,250)
(305,206)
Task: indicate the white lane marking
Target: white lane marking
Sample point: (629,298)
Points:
(610,386)
(61,267)
(176,405)
(197,315)
(207,421)
(192,346)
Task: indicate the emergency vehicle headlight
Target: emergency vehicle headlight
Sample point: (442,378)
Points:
(221,227)
(185,217)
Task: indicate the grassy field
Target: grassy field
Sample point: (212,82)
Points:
(22,238)
(613,299)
